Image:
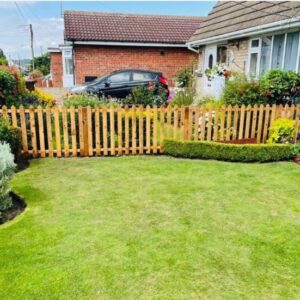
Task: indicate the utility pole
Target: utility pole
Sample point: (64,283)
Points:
(31,44)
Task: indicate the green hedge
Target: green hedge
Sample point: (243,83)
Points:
(228,152)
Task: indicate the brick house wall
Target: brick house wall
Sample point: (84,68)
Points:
(56,69)
(98,61)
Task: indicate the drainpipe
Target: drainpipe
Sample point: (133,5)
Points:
(192,49)
(73,61)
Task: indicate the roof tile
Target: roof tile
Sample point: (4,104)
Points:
(116,27)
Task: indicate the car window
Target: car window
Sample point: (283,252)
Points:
(120,77)
(143,76)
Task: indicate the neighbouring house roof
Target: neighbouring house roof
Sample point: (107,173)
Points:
(230,16)
(130,28)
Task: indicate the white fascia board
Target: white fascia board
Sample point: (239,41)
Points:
(266,28)
(53,50)
(95,43)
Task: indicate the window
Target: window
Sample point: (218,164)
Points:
(277,55)
(68,66)
(291,51)
(253,64)
(210,61)
(279,51)
(143,76)
(266,43)
(221,54)
(120,77)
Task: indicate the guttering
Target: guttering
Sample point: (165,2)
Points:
(279,25)
(96,43)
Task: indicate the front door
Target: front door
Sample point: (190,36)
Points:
(212,86)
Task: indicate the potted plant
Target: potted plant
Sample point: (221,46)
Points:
(296,153)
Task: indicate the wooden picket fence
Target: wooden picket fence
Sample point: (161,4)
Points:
(86,131)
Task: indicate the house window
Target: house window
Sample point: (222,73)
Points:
(280,51)
(254,55)
(291,50)
(266,43)
(210,61)
(68,66)
(221,54)
(277,55)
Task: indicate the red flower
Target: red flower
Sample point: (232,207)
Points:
(227,73)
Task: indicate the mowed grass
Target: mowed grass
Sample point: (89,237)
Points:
(153,228)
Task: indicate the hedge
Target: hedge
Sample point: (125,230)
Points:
(228,152)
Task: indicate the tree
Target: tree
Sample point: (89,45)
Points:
(3,60)
(42,63)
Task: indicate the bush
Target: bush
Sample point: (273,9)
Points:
(283,86)
(43,98)
(241,90)
(296,150)
(276,87)
(12,86)
(153,95)
(184,77)
(209,101)
(81,100)
(11,136)
(183,98)
(282,131)
(35,74)
(228,152)
(7,168)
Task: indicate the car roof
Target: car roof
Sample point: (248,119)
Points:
(135,70)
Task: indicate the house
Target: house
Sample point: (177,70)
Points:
(247,36)
(98,43)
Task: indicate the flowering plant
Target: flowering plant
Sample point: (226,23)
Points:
(218,70)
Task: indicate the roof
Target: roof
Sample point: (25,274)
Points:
(134,28)
(230,16)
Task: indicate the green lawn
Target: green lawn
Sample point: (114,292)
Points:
(153,228)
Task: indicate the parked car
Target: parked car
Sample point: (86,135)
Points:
(119,84)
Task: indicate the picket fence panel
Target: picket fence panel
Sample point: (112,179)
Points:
(86,131)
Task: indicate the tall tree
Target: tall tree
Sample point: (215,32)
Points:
(42,63)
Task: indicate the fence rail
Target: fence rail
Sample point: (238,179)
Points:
(87,131)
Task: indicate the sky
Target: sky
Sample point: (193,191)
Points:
(45,17)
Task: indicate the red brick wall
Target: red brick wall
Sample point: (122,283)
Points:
(100,60)
(56,69)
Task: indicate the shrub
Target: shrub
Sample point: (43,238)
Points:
(296,150)
(35,74)
(185,77)
(282,131)
(228,152)
(283,86)
(81,100)
(183,98)
(7,86)
(11,136)
(12,86)
(151,95)
(241,90)
(43,98)
(7,167)
(209,101)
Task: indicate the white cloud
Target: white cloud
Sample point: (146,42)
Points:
(15,35)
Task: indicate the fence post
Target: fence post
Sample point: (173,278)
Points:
(85,132)
(186,123)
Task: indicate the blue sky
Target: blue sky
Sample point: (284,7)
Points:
(47,24)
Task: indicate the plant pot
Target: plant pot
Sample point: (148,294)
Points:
(297,159)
